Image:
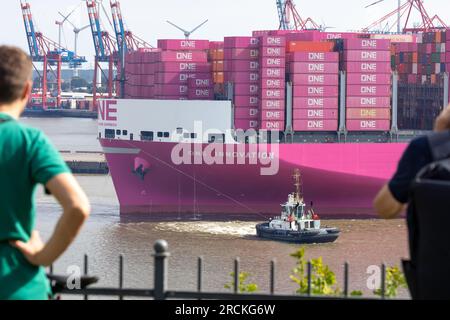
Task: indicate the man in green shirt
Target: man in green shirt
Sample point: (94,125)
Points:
(28,159)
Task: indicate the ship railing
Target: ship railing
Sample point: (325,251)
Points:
(160,289)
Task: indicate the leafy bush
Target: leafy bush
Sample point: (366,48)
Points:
(244,287)
(395,279)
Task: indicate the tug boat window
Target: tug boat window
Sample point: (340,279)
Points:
(110,134)
(147,135)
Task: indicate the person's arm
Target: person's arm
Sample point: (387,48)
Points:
(386,205)
(76,210)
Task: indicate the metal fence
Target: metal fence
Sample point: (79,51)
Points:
(161,292)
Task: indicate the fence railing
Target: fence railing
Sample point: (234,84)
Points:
(160,291)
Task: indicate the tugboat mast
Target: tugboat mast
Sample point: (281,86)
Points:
(298,183)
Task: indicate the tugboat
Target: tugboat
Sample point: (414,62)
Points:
(297,224)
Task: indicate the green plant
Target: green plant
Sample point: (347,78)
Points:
(243,287)
(323,279)
(395,279)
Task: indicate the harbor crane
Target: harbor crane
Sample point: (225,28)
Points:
(290,19)
(52,56)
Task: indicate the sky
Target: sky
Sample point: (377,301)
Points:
(147,18)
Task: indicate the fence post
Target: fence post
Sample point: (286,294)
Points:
(161,254)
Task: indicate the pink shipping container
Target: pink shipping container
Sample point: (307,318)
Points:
(201,93)
(314,57)
(201,81)
(362,55)
(272,94)
(241,54)
(272,115)
(273,83)
(200,67)
(176,97)
(316,91)
(368,67)
(315,103)
(246,113)
(368,102)
(245,124)
(243,77)
(369,90)
(314,67)
(241,65)
(273,73)
(315,125)
(447,55)
(315,79)
(272,52)
(273,62)
(241,42)
(368,125)
(367,44)
(246,101)
(316,114)
(173,77)
(369,113)
(170,90)
(272,104)
(273,125)
(374,78)
(272,41)
(183,56)
(246,89)
(183,44)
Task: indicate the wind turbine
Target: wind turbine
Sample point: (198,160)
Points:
(399,17)
(186,33)
(60,24)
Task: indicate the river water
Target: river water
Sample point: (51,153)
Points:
(363,243)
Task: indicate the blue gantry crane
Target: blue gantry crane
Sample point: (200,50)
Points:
(290,19)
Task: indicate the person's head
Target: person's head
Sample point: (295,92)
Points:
(16,71)
(443,121)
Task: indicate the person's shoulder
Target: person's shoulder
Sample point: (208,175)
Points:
(420,144)
(31,134)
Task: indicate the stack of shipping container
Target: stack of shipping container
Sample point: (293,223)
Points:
(242,69)
(216,58)
(368,66)
(272,74)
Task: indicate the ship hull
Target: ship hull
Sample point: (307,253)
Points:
(340,179)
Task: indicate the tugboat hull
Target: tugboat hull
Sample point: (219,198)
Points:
(325,235)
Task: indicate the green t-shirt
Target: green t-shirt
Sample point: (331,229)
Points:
(27,158)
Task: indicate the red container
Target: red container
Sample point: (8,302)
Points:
(369,90)
(183,56)
(367,44)
(246,113)
(368,125)
(273,41)
(241,54)
(272,52)
(316,103)
(366,113)
(183,44)
(272,62)
(201,81)
(246,101)
(241,42)
(245,124)
(272,115)
(273,73)
(315,125)
(186,67)
(241,65)
(315,79)
(363,55)
(374,78)
(368,67)
(316,91)
(314,67)
(201,93)
(368,102)
(272,104)
(244,89)
(314,57)
(276,94)
(273,83)
(316,114)
(272,125)
(244,77)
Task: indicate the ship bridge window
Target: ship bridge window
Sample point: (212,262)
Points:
(119,132)
(147,135)
(179,130)
(188,135)
(125,132)
(110,134)
(216,138)
(163,134)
